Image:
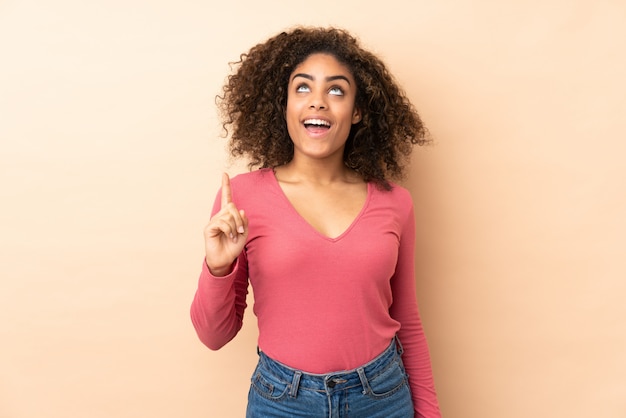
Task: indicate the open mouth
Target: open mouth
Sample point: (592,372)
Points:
(316,125)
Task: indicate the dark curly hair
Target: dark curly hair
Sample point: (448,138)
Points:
(254,101)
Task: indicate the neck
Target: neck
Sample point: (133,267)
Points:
(316,171)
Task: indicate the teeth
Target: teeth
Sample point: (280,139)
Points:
(318,122)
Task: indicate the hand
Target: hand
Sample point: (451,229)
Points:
(226,233)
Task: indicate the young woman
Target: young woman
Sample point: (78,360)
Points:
(321,233)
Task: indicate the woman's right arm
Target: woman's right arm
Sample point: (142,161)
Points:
(219,304)
(220,300)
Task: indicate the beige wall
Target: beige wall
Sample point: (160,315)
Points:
(109,165)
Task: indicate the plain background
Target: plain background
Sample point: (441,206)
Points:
(111,157)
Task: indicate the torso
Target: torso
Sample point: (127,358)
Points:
(330,209)
(352,285)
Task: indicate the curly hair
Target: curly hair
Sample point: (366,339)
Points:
(254,103)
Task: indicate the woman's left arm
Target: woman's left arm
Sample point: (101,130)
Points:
(404,309)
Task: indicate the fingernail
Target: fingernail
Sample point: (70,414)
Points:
(240,230)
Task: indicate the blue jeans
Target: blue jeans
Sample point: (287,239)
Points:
(375,390)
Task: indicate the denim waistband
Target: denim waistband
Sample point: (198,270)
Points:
(329,382)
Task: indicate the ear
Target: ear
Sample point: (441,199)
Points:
(356,115)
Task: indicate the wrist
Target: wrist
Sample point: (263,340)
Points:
(221,271)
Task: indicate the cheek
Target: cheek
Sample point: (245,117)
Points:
(292,109)
(347,116)
(292,120)
(291,114)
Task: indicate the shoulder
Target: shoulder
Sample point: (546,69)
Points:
(398,195)
(396,203)
(393,207)
(253,187)
(400,192)
(252,179)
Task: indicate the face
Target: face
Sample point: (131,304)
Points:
(321,107)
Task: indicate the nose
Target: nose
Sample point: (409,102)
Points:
(318,101)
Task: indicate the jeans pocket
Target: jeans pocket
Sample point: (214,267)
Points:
(268,386)
(388,381)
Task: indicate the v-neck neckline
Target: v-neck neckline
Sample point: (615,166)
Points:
(302,219)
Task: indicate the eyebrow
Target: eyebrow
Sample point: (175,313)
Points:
(329,78)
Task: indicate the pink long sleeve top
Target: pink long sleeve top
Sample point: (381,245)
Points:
(323,304)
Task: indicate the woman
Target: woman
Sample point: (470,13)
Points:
(321,233)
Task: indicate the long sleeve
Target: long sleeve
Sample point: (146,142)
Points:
(219,304)
(405,310)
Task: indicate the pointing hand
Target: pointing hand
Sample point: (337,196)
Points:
(226,233)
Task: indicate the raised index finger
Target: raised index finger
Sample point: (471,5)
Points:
(226,193)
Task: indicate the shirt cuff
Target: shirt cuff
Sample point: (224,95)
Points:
(207,273)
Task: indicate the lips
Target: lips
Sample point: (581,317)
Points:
(316,125)
(317,122)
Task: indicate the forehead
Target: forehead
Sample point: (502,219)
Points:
(323,64)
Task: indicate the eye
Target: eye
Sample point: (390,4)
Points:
(336,91)
(302,88)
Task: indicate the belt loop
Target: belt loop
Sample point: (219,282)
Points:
(364,381)
(399,347)
(295,383)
